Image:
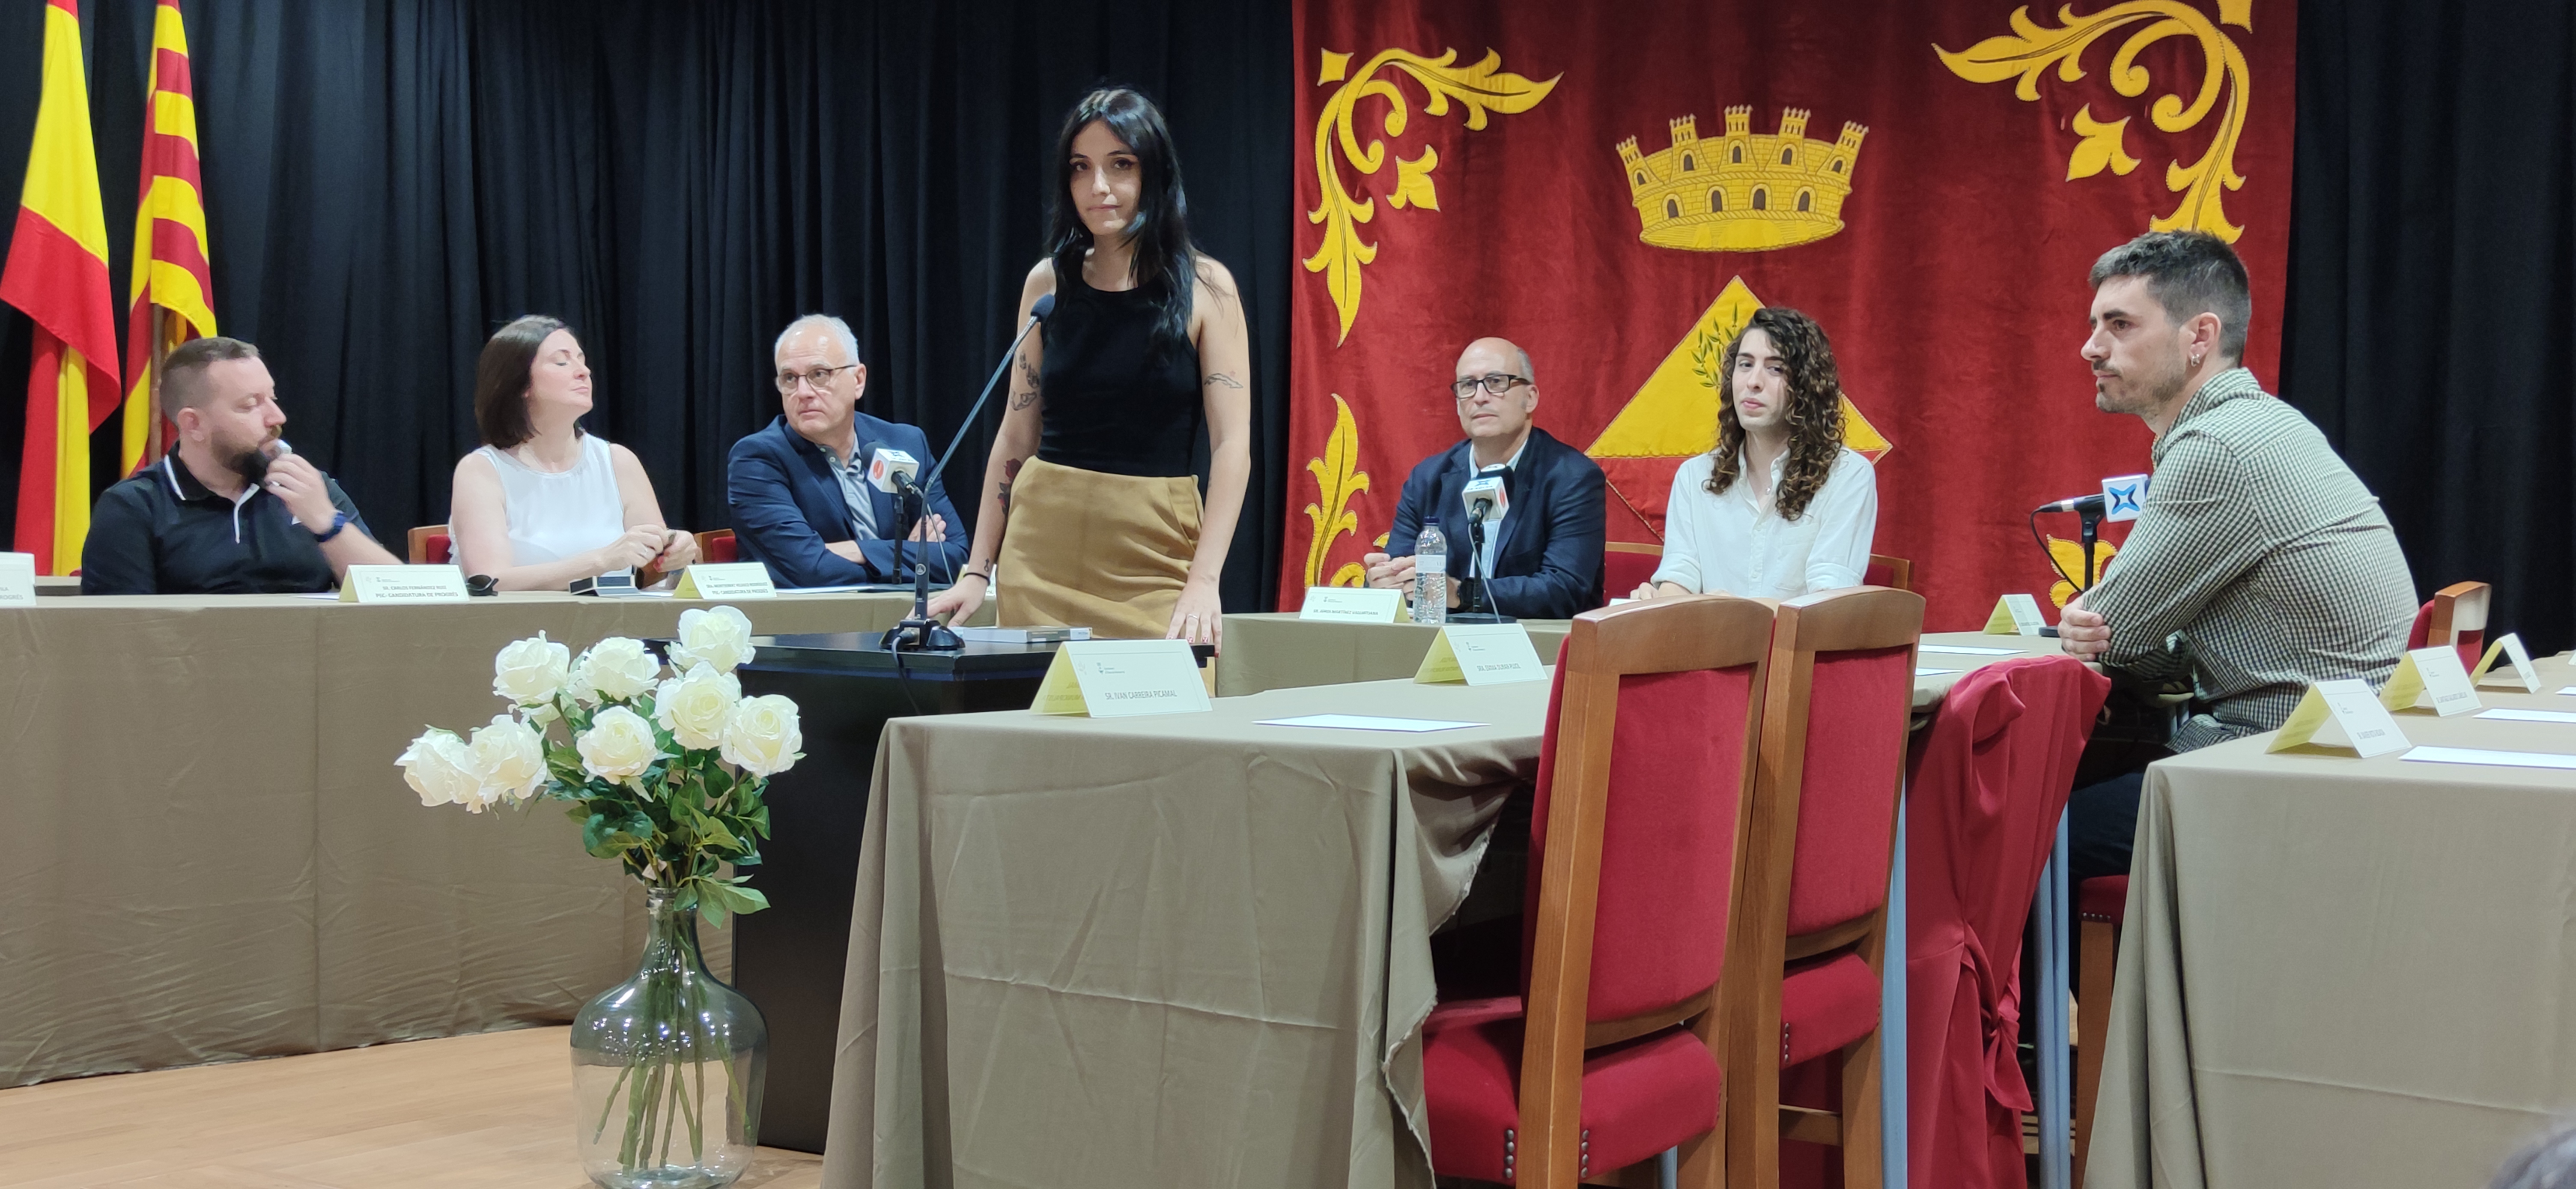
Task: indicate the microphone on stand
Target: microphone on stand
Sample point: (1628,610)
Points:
(1487,499)
(920,631)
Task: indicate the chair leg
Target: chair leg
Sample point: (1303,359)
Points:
(2099,955)
(1752,1120)
(1863,1130)
(1668,1169)
(1701,1162)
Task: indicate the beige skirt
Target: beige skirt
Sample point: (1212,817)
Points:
(1087,549)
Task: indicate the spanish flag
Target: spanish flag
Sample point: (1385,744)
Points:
(170,257)
(57,275)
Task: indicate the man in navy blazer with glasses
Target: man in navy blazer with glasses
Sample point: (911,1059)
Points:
(1546,550)
(802,504)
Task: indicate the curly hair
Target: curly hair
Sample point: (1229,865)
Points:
(1815,414)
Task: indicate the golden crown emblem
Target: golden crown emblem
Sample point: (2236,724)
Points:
(1748,192)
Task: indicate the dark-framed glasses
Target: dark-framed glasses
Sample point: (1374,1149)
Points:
(1498,383)
(820,377)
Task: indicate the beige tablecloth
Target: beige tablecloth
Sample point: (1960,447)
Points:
(1186,950)
(1281,651)
(2346,972)
(208,852)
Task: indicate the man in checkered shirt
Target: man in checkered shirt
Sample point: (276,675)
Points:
(2259,562)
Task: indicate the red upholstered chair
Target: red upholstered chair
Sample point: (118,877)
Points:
(2456,616)
(1895,573)
(1636,833)
(2101,904)
(1990,781)
(431,546)
(717,547)
(1804,965)
(1626,565)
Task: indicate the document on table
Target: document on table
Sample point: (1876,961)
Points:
(2512,715)
(1919,671)
(1367,722)
(2481,755)
(1968,650)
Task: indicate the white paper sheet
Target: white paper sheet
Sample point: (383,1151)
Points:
(2480,755)
(1923,672)
(2510,714)
(1366,722)
(1968,650)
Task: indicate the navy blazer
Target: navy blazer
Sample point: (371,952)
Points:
(1548,563)
(787,507)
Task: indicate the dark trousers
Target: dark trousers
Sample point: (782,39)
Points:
(2101,826)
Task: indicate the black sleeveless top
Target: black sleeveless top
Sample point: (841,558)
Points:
(1116,400)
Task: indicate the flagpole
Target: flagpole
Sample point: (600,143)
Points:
(160,351)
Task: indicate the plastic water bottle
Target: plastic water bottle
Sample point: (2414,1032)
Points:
(1431,575)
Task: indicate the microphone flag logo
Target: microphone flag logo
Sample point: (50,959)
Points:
(2122,495)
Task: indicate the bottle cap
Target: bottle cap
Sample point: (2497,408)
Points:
(1430,522)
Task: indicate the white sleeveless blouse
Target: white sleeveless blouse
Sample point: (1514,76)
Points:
(555,515)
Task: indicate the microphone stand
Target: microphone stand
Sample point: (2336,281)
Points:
(2091,519)
(918,631)
(1484,577)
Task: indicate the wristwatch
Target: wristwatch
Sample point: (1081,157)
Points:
(339,520)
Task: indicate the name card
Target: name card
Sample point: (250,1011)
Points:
(1352,604)
(403,584)
(726,580)
(1122,679)
(17,580)
(2509,644)
(2016,615)
(1481,654)
(2341,714)
(2431,677)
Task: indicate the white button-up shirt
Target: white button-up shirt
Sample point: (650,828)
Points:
(1722,543)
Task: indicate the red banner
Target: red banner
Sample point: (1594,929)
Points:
(1616,187)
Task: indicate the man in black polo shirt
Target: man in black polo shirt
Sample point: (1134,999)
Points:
(226,512)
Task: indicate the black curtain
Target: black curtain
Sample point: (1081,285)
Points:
(388,181)
(2432,300)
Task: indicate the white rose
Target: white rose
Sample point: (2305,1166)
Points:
(696,708)
(509,760)
(531,672)
(615,669)
(440,768)
(762,737)
(717,636)
(618,745)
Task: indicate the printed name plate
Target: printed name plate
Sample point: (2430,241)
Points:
(2016,615)
(1122,679)
(2510,645)
(403,584)
(17,580)
(1481,654)
(2431,677)
(1352,604)
(2343,708)
(726,580)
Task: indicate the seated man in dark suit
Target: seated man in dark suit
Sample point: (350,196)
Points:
(1545,553)
(802,503)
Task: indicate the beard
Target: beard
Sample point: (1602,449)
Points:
(251,461)
(2147,390)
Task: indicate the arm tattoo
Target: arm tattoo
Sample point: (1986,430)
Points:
(1010,472)
(1226,379)
(1023,399)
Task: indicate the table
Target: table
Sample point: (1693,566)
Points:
(209,853)
(1179,950)
(1281,651)
(2339,971)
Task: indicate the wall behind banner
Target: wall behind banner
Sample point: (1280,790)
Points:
(389,181)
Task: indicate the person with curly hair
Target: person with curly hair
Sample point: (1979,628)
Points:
(1781,508)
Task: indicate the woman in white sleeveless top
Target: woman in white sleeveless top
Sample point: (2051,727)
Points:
(543,503)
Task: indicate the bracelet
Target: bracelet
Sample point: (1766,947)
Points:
(339,520)
(987,577)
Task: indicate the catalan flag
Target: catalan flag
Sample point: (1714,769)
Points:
(57,275)
(170,259)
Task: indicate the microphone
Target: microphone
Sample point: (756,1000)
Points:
(2083,503)
(892,471)
(1485,498)
(919,630)
(2119,499)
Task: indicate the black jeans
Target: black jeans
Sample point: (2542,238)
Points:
(2101,825)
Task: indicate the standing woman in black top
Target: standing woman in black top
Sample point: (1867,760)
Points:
(1090,474)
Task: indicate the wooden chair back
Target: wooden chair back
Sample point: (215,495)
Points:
(1895,573)
(1626,565)
(1640,821)
(2460,619)
(431,545)
(718,547)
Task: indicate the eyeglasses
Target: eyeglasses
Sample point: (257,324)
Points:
(821,378)
(1497,383)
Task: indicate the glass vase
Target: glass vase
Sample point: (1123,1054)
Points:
(667,1067)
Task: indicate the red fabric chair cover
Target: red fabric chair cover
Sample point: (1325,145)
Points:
(2471,644)
(1844,802)
(2423,629)
(1878,574)
(719,548)
(1622,571)
(1983,799)
(440,548)
(2103,898)
(1659,935)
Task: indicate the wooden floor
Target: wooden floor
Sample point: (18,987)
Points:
(491,1112)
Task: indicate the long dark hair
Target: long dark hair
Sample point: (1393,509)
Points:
(1160,228)
(501,379)
(1815,413)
